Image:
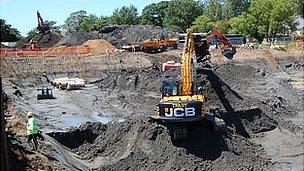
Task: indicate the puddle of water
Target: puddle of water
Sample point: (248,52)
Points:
(73,122)
(105,119)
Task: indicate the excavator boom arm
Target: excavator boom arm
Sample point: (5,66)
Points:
(40,20)
(227,49)
(186,67)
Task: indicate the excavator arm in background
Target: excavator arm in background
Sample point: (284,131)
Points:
(42,27)
(40,19)
(227,49)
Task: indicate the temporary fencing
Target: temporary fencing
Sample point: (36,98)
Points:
(48,52)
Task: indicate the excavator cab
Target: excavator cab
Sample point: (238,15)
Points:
(169,88)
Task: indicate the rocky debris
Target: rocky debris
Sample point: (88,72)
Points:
(295,65)
(43,40)
(119,35)
(261,73)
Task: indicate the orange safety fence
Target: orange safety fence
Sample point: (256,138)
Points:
(48,52)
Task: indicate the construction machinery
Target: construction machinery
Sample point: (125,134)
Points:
(169,65)
(157,45)
(67,83)
(202,45)
(43,26)
(152,45)
(182,102)
(222,42)
(45,93)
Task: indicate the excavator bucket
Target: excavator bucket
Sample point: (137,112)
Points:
(229,52)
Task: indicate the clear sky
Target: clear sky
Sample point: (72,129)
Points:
(21,14)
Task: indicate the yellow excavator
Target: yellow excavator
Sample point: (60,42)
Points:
(182,103)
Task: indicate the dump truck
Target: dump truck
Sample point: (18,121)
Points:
(152,45)
(158,45)
(45,93)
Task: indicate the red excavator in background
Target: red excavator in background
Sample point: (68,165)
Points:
(43,26)
(227,49)
(201,48)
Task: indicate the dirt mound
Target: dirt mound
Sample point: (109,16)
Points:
(76,38)
(44,40)
(119,35)
(138,143)
(99,46)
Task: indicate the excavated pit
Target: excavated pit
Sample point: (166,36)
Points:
(253,101)
(139,143)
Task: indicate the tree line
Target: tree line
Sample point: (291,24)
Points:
(257,19)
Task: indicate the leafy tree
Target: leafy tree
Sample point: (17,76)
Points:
(214,10)
(125,15)
(233,8)
(281,17)
(72,23)
(154,14)
(203,24)
(32,32)
(299,7)
(180,14)
(265,18)
(92,22)
(101,22)
(244,24)
(8,33)
(222,25)
(227,11)
(88,23)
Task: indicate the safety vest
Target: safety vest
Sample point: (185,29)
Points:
(32,126)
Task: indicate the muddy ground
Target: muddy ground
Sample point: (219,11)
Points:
(106,125)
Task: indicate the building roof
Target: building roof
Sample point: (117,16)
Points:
(300,21)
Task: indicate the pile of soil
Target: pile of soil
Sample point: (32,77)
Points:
(119,35)
(76,38)
(258,87)
(44,40)
(99,46)
(139,143)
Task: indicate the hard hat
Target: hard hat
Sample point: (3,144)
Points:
(30,114)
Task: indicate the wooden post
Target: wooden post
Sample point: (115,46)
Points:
(4,156)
